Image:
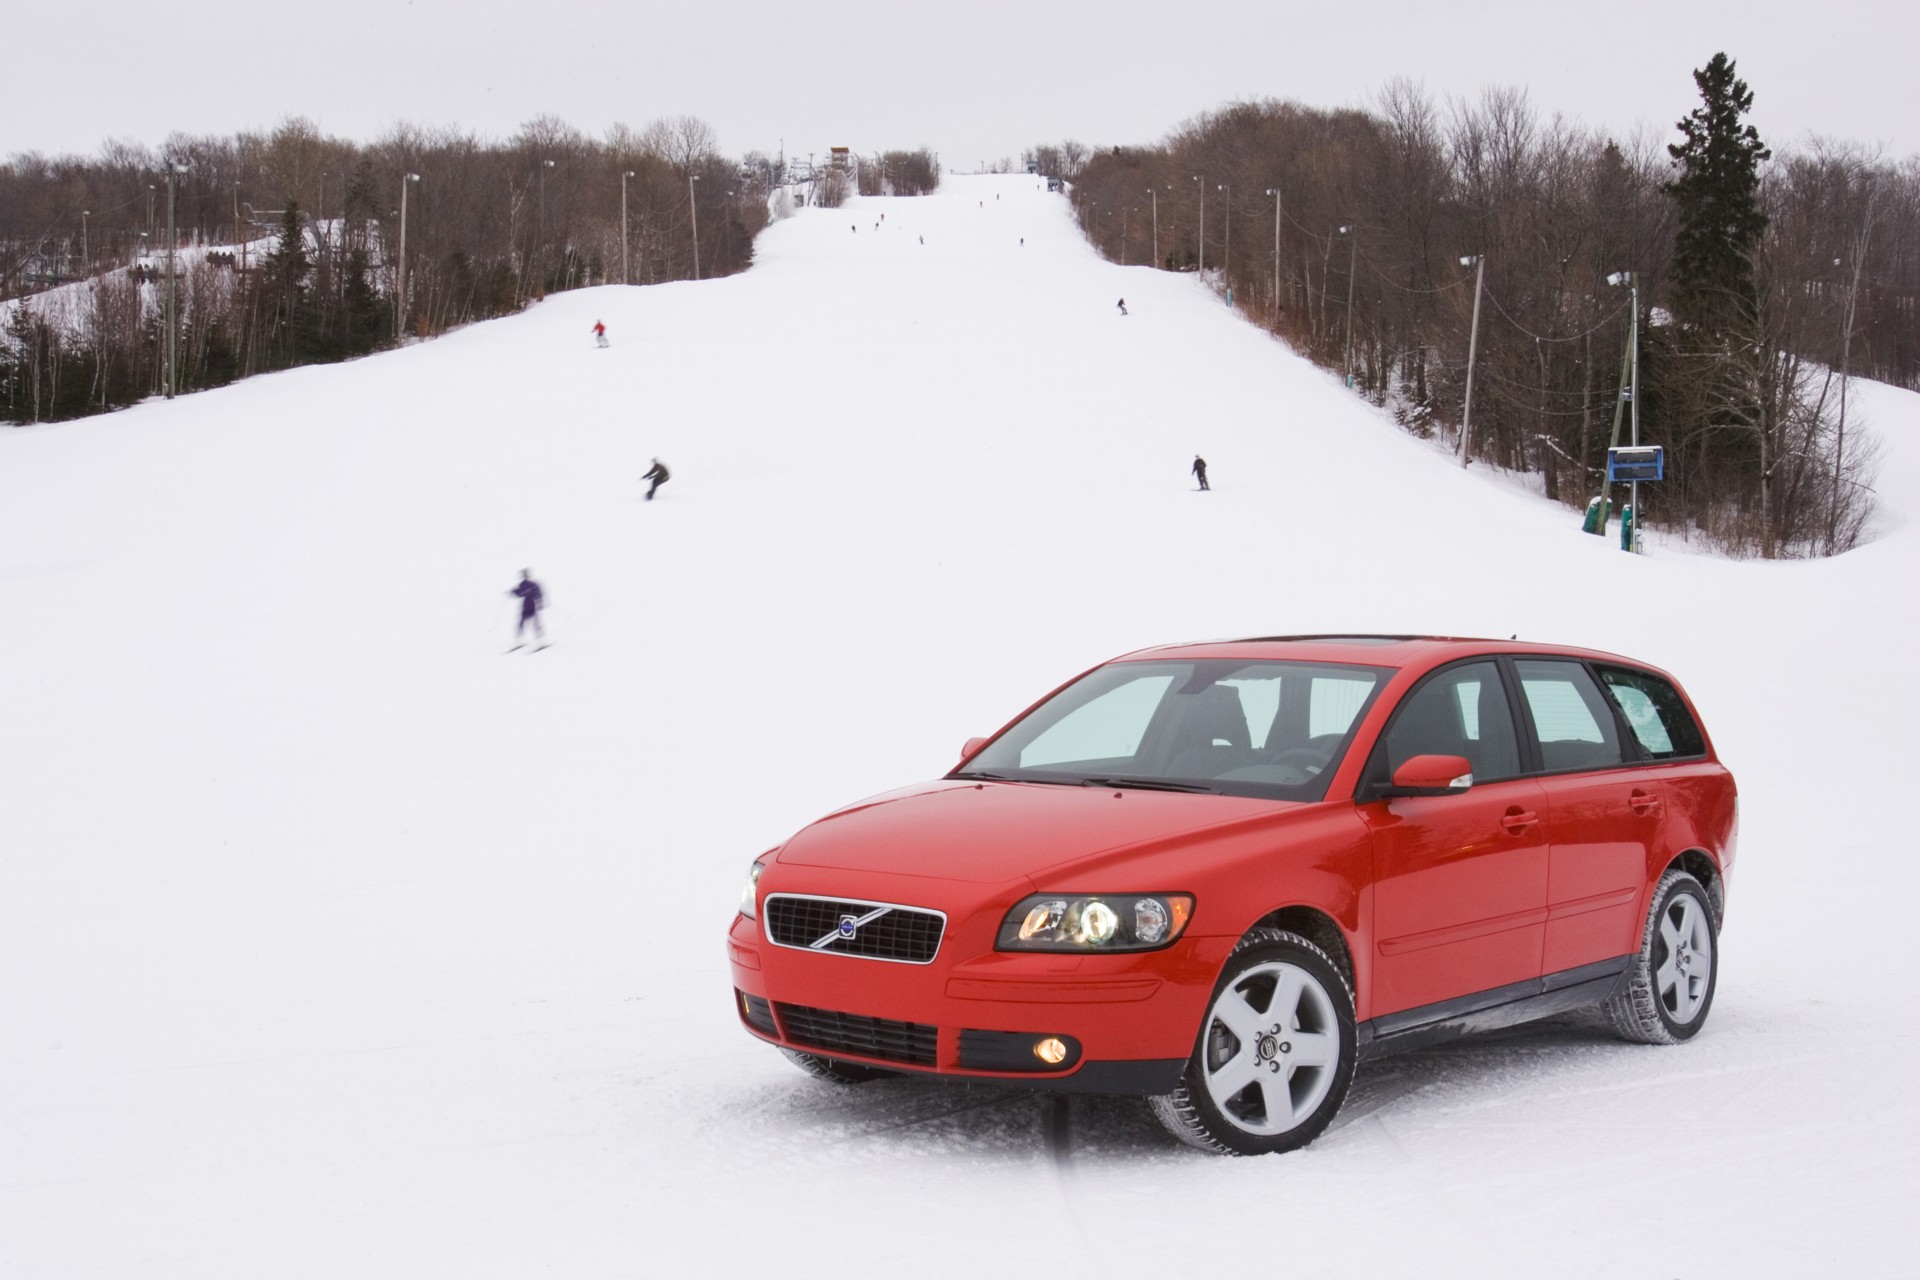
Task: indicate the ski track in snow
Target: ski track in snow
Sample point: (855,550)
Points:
(334,943)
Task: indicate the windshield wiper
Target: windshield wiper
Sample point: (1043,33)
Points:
(1148,784)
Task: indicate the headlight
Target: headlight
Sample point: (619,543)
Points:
(1095,922)
(747,904)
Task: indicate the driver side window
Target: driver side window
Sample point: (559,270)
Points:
(1463,711)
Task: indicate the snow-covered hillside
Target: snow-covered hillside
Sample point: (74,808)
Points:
(335,943)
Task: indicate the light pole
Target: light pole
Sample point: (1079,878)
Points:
(1632,280)
(624,277)
(541,267)
(174,167)
(1154,193)
(1478,262)
(1226,265)
(400,290)
(1275,193)
(1353,261)
(85,257)
(1203,222)
(693,207)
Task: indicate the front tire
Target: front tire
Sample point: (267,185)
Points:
(834,1070)
(1275,1053)
(1669,987)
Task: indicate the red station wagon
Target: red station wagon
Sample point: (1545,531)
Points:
(1218,875)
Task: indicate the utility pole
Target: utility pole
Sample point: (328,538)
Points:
(693,207)
(1353,263)
(400,289)
(624,277)
(541,280)
(1275,193)
(1154,192)
(1203,222)
(1227,263)
(85,257)
(1633,490)
(1479,261)
(173,324)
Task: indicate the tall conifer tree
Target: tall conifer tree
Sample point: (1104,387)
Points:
(1718,194)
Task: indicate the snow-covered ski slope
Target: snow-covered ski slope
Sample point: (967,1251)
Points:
(335,942)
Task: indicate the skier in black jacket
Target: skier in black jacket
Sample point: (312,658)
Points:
(532,600)
(657,473)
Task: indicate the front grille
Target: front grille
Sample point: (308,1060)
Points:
(880,930)
(910,1042)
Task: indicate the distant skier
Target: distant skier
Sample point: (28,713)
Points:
(1200,471)
(532,600)
(657,473)
(1123,306)
(599,334)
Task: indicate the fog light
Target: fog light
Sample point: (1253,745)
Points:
(1051,1051)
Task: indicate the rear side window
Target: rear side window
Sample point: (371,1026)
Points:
(1654,711)
(1571,717)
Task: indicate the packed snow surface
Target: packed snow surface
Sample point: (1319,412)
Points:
(336,943)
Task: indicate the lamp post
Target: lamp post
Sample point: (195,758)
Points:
(1203,222)
(1226,264)
(174,167)
(624,277)
(693,207)
(1275,193)
(1154,193)
(541,264)
(1632,280)
(1478,262)
(1353,261)
(400,289)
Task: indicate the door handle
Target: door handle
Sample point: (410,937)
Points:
(1643,802)
(1517,819)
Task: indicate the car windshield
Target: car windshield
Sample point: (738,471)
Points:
(1269,729)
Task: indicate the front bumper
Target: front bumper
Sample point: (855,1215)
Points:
(1129,1021)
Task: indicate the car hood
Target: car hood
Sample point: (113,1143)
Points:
(993,832)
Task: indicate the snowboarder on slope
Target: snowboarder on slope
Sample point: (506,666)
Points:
(1123,306)
(1200,471)
(599,334)
(532,600)
(657,473)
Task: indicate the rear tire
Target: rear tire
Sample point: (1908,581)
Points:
(1668,990)
(834,1070)
(1275,1053)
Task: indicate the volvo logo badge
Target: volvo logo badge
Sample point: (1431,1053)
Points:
(849,925)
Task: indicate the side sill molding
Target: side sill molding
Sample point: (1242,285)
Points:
(1489,1010)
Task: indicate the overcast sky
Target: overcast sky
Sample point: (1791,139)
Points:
(974,81)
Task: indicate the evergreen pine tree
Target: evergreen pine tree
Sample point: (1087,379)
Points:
(283,278)
(1717,192)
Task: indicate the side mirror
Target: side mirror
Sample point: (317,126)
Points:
(1430,776)
(973,745)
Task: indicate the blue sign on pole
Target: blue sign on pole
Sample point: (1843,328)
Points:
(1637,462)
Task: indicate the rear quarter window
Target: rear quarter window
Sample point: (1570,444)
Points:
(1655,712)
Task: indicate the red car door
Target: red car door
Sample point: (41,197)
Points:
(1604,815)
(1460,881)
